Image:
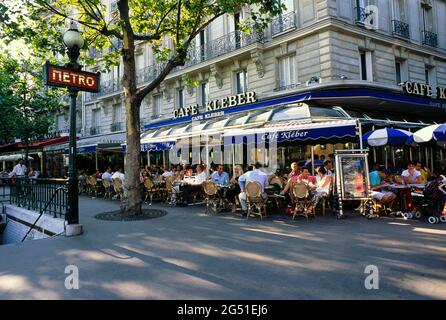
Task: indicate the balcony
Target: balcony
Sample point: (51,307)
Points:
(220,46)
(362,16)
(401,29)
(95,130)
(283,23)
(225,44)
(117,126)
(430,39)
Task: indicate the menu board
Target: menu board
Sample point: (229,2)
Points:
(353,176)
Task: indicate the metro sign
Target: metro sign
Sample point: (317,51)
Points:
(64,77)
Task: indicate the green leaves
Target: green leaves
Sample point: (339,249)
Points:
(26,105)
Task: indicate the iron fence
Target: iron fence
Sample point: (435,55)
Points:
(40,195)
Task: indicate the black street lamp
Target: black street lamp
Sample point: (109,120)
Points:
(74,42)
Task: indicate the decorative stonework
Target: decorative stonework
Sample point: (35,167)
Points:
(257,58)
(167,92)
(217,73)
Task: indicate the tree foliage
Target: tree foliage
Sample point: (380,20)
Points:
(40,23)
(26,105)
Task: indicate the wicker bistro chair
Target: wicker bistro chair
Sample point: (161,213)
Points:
(302,200)
(107,191)
(92,182)
(172,193)
(119,189)
(149,186)
(254,199)
(211,196)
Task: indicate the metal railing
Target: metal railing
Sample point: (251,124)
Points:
(35,195)
(288,87)
(401,29)
(63,190)
(282,23)
(95,130)
(117,126)
(430,38)
(5,189)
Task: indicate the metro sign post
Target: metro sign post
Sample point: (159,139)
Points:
(74,79)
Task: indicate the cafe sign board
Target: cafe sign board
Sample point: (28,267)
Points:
(217,105)
(424,90)
(58,76)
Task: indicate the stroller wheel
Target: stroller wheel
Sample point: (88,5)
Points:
(406,215)
(437,219)
(418,214)
(432,220)
(443,219)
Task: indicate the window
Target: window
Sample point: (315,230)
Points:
(202,43)
(366,66)
(60,122)
(289,4)
(180,98)
(428,24)
(157,101)
(95,117)
(117,113)
(399,10)
(398,72)
(241,82)
(287,71)
(204,93)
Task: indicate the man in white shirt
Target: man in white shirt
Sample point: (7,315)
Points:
(167,173)
(254,175)
(411,175)
(194,185)
(107,175)
(19,169)
(119,175)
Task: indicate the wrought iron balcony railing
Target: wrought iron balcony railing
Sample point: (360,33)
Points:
(430,38)
(225,44)
(283,23)
(401,29)
(288,87)
(95,130)
(149,73)
(117,126)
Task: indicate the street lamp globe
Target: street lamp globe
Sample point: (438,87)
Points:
(72,38)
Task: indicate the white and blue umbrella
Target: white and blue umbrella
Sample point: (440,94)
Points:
(440,133)
(432,133)
(385,136)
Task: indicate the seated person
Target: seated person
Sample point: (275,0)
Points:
(168,172)
(411,175)
(234,191)
(257,176)
(378,186)
(323,184)
(220,176)
(193,185)
(304,177)
(295,171)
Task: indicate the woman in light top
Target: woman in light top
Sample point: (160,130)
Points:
(323,183)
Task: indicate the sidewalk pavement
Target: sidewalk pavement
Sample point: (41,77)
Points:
(188,255)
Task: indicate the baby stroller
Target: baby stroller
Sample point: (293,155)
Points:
(434,196)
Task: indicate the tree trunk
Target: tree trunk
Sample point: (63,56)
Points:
(132,202)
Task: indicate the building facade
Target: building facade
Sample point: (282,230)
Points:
(316,44)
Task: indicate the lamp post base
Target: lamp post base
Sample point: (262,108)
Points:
(73,230)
